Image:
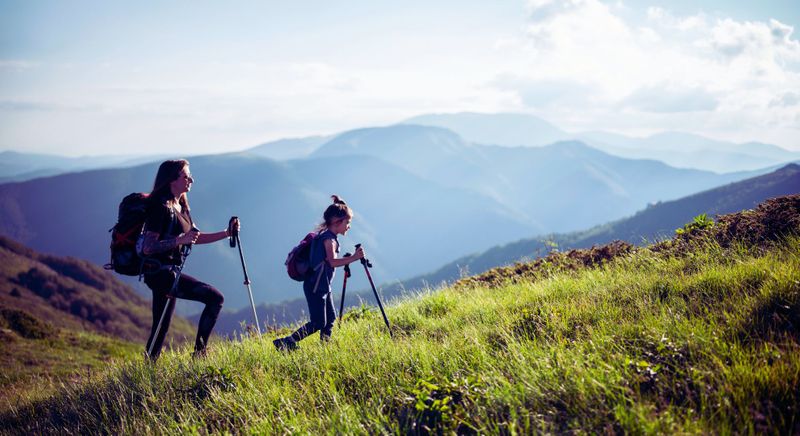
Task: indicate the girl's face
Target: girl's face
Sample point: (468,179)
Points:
(183,183)
(340,226)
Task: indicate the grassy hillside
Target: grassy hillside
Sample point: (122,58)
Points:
(38,358)
(700,334)
(74,294)
(63,318)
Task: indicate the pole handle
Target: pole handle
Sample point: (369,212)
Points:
(364,260)
(347,267)
(232,232)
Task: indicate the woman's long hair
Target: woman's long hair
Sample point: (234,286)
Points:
(168,172)
(339,209)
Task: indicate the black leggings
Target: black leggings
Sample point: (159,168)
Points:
(323,314)
(188,288)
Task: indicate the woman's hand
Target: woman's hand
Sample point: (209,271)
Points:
(234,227)
(189,237)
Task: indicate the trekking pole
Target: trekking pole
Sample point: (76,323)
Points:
(178,269)
(367,265)
(234,240)
(344,289)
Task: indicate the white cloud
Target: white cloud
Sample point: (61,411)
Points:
(666,98)
(652,72)
(17,64)
(787,99)
(767,47)
(545,93)
(12,105)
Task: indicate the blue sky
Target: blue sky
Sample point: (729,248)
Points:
(92,77)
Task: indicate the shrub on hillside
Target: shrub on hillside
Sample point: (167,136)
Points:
(24,324)
(771,220)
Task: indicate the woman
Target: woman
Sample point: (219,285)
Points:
(167,229)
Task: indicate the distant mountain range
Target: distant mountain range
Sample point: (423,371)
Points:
(511,130)
(681,150)
(74,294)
(556,188)
(278,203)
(286,149)
(677,149)
(422,196)
(655,222)
(17,167)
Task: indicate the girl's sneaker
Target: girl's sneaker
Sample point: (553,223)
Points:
(285,344)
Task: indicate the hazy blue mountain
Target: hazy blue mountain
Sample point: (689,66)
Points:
(413,219)
(692,151)
(397,216)
(657,221)
(682,150)
(422,196)
(495,129)
(17,166)
(653,223)
(561,187)
(285,149)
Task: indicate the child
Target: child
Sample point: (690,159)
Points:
(317,287)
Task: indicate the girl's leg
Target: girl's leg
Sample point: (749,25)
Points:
(316,309)
(330,318)
(190,288)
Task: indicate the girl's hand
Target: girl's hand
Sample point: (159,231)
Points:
(359,254)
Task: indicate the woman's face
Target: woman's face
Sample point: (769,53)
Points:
(183,183)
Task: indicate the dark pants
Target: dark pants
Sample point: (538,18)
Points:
(320,307)
(188,288)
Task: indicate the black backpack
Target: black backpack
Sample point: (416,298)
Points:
(125,256)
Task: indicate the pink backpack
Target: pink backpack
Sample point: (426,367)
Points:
(298,262)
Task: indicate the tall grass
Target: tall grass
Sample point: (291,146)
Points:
(705,342)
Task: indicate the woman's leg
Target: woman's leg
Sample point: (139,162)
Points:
(160,283)
(190,288)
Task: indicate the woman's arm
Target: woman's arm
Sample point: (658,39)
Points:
(337,262)
(207,238)
(151,245)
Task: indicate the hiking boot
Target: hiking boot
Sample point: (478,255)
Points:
(200,354)
(285,344)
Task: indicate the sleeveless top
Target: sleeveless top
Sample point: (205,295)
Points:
(168,223)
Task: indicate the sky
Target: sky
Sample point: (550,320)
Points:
(194,77)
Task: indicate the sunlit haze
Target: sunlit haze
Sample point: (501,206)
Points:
(96,77)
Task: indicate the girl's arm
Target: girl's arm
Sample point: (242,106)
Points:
(337,262)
